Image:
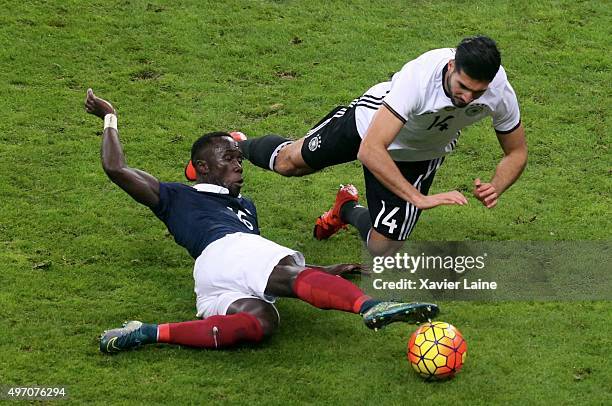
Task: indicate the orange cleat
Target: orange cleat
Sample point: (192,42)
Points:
(190,172)
(330,222)
(238,136)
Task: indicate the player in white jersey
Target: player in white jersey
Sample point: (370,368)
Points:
(401,131)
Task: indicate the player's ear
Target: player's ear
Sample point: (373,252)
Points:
(451,65)
(202,166)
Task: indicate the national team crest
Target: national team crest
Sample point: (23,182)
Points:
(474,110)
(314,143)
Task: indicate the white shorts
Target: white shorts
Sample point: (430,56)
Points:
(234,267)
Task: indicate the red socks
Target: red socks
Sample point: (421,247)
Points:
(327,291)
(316,287)
(212,332)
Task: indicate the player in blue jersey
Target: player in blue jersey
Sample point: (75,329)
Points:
(238,274)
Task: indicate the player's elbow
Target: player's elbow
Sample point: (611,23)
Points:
(365,153)
(370,153)
(114,172)
(113,166)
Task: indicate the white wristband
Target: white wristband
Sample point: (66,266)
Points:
(110,120)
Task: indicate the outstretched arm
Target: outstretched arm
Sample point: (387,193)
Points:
(508,170)
(143,187)
(342,269)
(374,155)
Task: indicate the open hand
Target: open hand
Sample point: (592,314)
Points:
(96,106)
(486,193)
(345,269)
(446,198)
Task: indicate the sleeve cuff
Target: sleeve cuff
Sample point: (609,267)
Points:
(508,131)
(395,113)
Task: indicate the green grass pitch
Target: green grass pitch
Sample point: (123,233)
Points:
(77,256)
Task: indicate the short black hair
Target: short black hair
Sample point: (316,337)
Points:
(478,57)
(199,146)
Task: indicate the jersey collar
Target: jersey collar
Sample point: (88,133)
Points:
(444,70)
(210,188)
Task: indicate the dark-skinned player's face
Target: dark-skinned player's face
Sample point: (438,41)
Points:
(462,88)
(224,164)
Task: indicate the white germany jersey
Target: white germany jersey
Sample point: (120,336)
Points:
(431,122)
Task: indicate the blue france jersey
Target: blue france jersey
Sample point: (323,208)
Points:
(196,216)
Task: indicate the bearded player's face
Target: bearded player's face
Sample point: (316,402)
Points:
(462,88)
(225,165)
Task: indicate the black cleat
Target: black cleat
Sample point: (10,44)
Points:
(389,312)
(120,339)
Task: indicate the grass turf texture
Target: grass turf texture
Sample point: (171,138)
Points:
(78,256)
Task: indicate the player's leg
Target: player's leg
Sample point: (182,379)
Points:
(326,291)
(393,219)
(332,221)
(347,210)
(266,313)
(313,285)
(332,141)
(247,320)
(290,161)
(388,220)
(278,154)
(380,245)
(275,153)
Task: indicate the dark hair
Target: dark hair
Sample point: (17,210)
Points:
(478,57)
(198,147)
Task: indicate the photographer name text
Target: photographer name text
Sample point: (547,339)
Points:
(426,284)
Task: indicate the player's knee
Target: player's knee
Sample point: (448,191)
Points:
(265,313)
(268,326)
(289,161)
(384,247)
(268,318)
(285,166)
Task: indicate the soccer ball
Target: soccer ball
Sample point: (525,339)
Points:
(437,350)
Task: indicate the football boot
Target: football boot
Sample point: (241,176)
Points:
(329,223)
